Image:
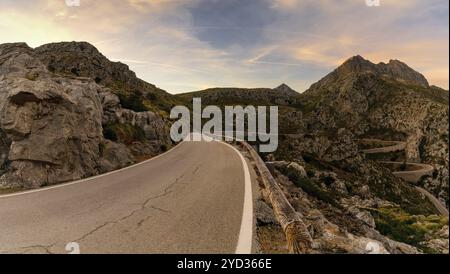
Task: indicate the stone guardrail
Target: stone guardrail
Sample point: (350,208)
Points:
(298,239)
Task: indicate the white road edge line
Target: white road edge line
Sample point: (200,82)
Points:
(90,178)
(244,245)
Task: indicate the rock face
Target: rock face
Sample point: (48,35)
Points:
(54,124)
(51,123)
(154,125)
(83,59)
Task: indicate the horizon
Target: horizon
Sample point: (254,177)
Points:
(185,46)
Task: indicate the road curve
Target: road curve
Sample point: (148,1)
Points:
(189,200)
(411,176)
(389,146)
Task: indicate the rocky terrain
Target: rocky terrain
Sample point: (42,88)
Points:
(63,115)
(323,172)
(386,101)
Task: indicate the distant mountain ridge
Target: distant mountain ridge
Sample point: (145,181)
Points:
(394,70)
(281,95)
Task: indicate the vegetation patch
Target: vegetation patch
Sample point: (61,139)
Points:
(398,225)
(32,76)
(311,188)
(123,133)
(132,101)
(4,191)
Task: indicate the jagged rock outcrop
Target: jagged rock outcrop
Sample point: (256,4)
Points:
(386,101)
(54,123)
(52,120)
(155,126)
(83,59)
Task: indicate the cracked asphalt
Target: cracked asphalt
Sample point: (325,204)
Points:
(189,200)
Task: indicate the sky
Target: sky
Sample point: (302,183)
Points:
(189,45)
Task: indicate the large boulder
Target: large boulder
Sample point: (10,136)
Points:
(53,123)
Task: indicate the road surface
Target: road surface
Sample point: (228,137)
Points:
(189,200)
(411,176)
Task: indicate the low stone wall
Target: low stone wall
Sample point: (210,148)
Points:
(297,236)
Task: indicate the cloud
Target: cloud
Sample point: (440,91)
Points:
(183,45)
(231,22)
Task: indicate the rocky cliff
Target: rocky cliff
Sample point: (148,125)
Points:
(385,101)
(59,122)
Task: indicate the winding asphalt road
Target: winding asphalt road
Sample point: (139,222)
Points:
(412,176)
(194,199)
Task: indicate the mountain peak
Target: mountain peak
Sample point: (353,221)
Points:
(356,59)
(394,70)
(285,89)
(401,72)
(74,46)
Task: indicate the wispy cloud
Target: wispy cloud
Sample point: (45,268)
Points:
(183,45)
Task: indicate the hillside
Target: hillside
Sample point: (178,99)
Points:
(282,95)
(320,165)
(81,59)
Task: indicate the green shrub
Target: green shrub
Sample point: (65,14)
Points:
(109,132)
(403,227)
(310,187)
(132,101)
(163,148)
(32,76)
(310,173)
(101,148)
(151,97)
(123,133)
